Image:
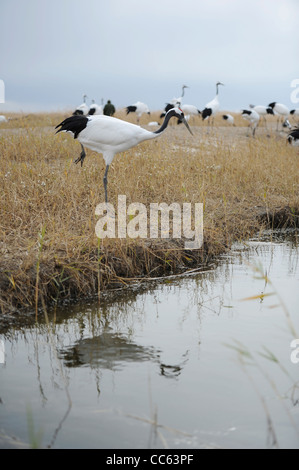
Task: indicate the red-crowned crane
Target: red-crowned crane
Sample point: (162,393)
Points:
(229,119)
(294,113)
(212,107)
(189,110)
(253,117)
(175,102)
(83,109)
(263,111)
(95,109)
(109,136)
(293,137)
(282,110)
(178,101)
(138,108)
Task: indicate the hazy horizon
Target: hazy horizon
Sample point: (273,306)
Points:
(127,50)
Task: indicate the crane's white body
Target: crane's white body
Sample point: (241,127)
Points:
(139,108)
(95,109)
(3,119)
(262,110)
(190,110)
(108,135)
(84,108)
(214,105)
(281,110)
(251,116)
(229,118)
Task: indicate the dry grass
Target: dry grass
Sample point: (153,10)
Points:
(49,250)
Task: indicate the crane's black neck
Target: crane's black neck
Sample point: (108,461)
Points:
(169,115)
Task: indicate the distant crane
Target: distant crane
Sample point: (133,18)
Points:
(139,108)
(229,118)
(175,102)
(294,112)
(95,109)
(190,110)
(109,136)
(293,137)
(282,110)
(178,101)
(253,117)
(212,107)
(3,119)
(83,109)
(263,111)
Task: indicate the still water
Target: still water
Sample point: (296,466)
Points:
(186,363)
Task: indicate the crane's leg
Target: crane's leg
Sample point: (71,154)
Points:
(82,156)
(105,181)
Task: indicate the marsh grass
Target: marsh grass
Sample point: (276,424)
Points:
(248,358)
(244,184)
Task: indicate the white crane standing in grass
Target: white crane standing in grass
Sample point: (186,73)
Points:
(109,136)
(95,109)
(282,110)
(212,107)
(83,109)
(253,117)
(3,119)
(138,108)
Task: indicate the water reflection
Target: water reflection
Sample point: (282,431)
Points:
(108,350)
(92,362)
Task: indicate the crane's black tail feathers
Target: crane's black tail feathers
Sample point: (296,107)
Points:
(131,109)
(74,124)
(293,135)
(207,112)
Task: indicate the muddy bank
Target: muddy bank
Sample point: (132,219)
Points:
(100,270)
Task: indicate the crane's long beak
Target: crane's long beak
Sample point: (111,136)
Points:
(187,125)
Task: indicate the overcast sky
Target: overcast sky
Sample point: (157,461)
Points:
(54,51)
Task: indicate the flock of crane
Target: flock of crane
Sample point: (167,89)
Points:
(253,114)
(108,135)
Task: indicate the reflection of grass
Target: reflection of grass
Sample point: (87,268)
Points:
(236,179)
(259,274)
(35,438)
(247,358)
